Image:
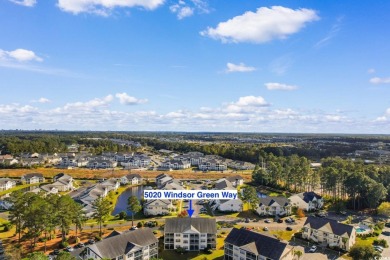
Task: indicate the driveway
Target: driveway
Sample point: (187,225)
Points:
(386,235)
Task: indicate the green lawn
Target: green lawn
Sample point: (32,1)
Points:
(283,234)
(365,241)
(172,255)
(19,187)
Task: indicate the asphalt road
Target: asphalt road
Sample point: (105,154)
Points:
(385,235)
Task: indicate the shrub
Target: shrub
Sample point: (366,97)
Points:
(122,215)
(7,227)
(223,232)
(380,225)
(139,224)
(180,250)
(64,244)
(381,242)
(376,233)
(155,232)
(98,238)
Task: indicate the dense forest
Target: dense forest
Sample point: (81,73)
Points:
(365,186)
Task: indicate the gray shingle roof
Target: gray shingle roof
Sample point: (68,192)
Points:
(120,244)
(133,175)
(308,196)
(234,178)
(223,184)
(268,201)
(256,243)
(336,227)
(30,175)
(179,225)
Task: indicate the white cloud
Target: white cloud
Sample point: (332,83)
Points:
(251,101)
(331,34)
(385,117)
(264,25)
(181,11)
(238,68)
(21,55)
(129,100)
(28,3)
(103,7)
(185,9)
(279,86)
(41,100)
(248,113)
(377,80)
(89,105)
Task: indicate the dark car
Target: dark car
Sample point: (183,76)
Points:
(80,245)
(387,224)
(56,252)
(289,228)
(91,241)
(321,214)
(280,220)
(247,220)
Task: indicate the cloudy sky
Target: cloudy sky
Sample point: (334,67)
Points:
(308,66)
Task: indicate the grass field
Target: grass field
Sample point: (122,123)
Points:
(82,173)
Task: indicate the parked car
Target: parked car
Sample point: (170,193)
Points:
(203,210)
(69,249)
(133,228)
(247,220)
(80,245)
(265,229)
(387,224)
(56,252)
(280,220)
(378,248)
(91,241)
(289,228)
(267,221)
(313,249)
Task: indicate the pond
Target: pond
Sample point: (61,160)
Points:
(121,203)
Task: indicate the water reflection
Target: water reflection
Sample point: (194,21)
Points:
(121,204)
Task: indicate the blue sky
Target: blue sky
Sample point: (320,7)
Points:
(195,65)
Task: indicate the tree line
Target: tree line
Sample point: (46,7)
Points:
(363,186)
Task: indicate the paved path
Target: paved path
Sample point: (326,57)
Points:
(385,235)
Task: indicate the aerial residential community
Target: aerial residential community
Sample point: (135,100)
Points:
(194,129)
(287,207)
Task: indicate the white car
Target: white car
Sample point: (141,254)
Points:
(69,249)
(313,249)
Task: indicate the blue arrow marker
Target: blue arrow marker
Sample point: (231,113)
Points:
(190,211)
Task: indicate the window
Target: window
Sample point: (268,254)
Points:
(185,235)
(129,255)
(120,257)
